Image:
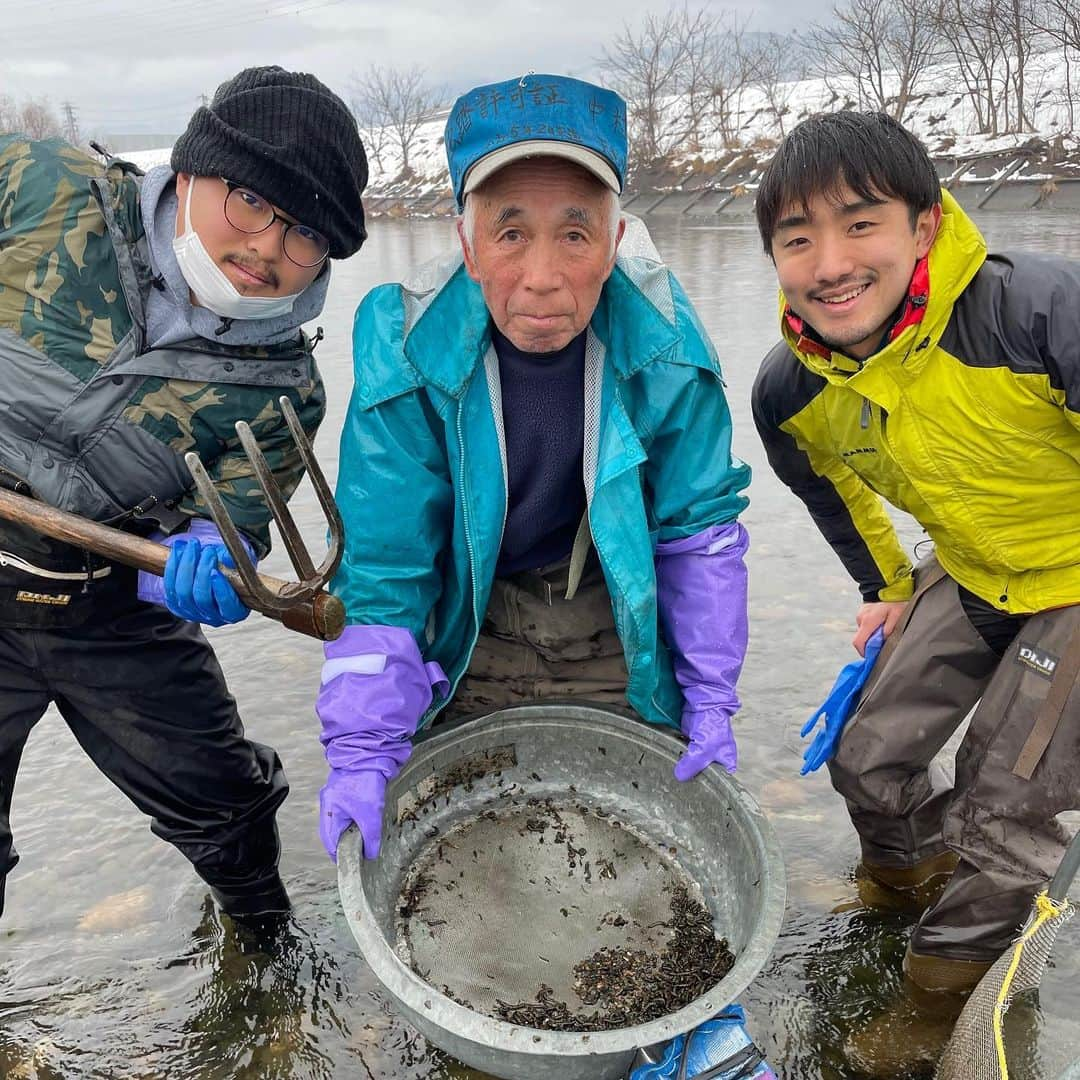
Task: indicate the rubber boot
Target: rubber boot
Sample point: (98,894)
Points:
(904,1038)
(268,899)
(913,1031)
(911,889)
(941,977)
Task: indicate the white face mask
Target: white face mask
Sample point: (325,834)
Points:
(209,284)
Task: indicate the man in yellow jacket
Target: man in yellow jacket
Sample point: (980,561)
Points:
(918,370)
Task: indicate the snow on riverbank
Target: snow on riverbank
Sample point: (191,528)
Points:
(942,116)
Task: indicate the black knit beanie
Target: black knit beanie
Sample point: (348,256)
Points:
(290,139)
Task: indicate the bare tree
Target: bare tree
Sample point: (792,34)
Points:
(1019,36)
(735,68)
(696,79)
(1019,33)
(8,113)
(34,117)
(682,74)
(991,42)
(374,126)
(1059,21)
(71,123)
(646,67)
(777,65)
(398,100)
(881,49)
(965,27)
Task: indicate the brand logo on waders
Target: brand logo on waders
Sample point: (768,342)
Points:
(42,598)
(1039,660)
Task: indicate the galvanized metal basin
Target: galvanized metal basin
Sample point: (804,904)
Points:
(710,826)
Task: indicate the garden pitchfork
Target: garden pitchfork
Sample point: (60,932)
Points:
(301,605)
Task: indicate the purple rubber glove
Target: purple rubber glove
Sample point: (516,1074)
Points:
(375,688)
(192,570)
(701,587)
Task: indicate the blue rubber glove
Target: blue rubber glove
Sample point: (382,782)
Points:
(839,705)
(195,587)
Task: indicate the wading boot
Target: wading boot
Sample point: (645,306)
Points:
(933,978)
(267,898)
(904,1038)
(261,916)
(271,934)
(913,1031)
(910,889)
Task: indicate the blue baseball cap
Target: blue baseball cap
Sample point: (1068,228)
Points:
(534,116)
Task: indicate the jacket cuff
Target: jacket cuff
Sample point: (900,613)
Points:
(897,592)
(731,535)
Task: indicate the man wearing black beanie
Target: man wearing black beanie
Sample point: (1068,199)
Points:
(173,309)
(286,136)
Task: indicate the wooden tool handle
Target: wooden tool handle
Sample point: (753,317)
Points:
(321,617)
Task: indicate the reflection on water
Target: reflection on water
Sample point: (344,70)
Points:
(113,963)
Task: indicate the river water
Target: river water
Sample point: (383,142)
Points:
(112,960)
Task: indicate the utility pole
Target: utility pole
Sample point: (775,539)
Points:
(71,123)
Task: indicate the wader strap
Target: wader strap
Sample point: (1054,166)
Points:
(934,572)
(578,554)
(1053,707)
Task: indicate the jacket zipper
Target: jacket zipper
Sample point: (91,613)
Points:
(593,392)
(469,548)
(867,415)
(494,392)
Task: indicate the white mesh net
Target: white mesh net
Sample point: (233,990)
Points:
(976,1050)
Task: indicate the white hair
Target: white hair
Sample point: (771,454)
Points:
(613,214)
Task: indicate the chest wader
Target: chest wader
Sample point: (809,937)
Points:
(547,633)
(998,824)
(144,695)
(1016,772)
(141,690)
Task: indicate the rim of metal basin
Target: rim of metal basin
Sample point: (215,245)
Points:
(434,1012)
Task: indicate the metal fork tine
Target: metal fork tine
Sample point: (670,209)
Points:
(230,535)
(335,526)
(312,579)
(298,553)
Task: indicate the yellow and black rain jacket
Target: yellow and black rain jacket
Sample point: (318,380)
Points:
(968,419)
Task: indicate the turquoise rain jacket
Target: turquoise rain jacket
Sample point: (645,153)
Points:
(422,478)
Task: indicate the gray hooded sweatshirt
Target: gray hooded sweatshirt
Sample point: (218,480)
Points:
(170,315)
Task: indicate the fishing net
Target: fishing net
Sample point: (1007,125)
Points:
(976,1050)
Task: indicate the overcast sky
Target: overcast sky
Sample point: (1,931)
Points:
(141,65)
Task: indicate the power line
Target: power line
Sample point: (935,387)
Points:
(113,114)
(125,15)
(190,102)
(182,29)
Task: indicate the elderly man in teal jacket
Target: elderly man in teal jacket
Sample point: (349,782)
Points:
(536,472)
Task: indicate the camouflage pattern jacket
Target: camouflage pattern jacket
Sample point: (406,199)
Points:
(90,419)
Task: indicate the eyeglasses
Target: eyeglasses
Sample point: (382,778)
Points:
(251,213)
